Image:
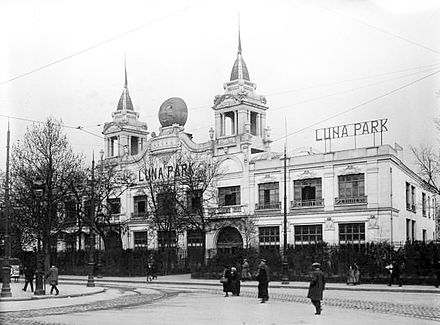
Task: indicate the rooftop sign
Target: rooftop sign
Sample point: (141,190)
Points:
(351,130)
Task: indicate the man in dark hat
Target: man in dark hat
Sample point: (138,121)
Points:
(316,287)
(263,281)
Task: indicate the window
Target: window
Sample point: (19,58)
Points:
(134,145)
(70,212)
(424,205)
(408,197)
(308,234)
(429,207)
(140,205)
(194,238)
(166,205)
(307,192)
(114,206)
(269,238)
(166,239)
(229,195)
(351,233)
(140,239)
(413,199)
(194,203)
(424,235)
(351,189)
(268,194)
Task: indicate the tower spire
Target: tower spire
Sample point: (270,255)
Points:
(125,68)
(239,38)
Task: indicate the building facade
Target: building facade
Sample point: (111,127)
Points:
(352,196)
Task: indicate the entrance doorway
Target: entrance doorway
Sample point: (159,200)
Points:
(229,241)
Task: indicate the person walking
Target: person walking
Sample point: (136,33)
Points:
(245,271)
(226,281)
(52,278)
(316,288)
(263,281)
(29,272)
(235,282)
(357,274)
(350,276)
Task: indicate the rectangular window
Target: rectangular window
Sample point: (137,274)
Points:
(114,205)
(140,239)
(229,195)
(194,201)
(413,199)
(70,212)
(424,205)
(429,207)
(308,234)
(269,238)
(424,235)
(351,233)
(134,145)
(166,204)
(413,230)
(194,238)
(408,229)
(268,194)
(408,197)
(140,205)
(166,239)
(307,192)
(351,189)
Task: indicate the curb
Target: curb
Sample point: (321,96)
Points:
(100,290)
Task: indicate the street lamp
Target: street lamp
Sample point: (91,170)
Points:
(90,279)
(6,269)
(38,189)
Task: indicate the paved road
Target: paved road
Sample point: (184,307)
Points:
(153,303)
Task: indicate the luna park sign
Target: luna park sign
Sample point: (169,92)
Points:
(166,171)
(351,130)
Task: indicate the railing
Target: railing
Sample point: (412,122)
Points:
(268,206)
(351,200)
(139,215)
(307,203)
(226,209)
(410,207)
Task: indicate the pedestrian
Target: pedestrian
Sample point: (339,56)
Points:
(350,276)
(316,288)
(357,274)
(235,282)
(263,281)
(52,278)
(29,272)
(149,271)
(245,271)
(226,280)
(394,274)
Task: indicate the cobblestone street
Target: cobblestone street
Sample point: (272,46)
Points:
(171,304)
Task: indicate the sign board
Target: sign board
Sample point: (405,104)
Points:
(351,130)
(15,271)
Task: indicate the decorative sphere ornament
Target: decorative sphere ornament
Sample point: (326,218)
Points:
(173,111)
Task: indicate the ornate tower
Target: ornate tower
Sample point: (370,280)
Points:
(125,135)
(240,113)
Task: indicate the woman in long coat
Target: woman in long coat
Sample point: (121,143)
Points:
(235,282)
(263,281)
(227,284)
(316,288)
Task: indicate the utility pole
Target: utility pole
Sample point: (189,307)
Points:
(285,277)
(90,279)
(6,269)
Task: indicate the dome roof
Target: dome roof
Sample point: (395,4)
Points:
(173,111)
(125,101)
(239,70)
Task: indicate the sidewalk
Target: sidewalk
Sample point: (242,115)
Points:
(185,279)
(66,291)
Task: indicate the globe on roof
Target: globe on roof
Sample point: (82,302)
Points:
(173,111)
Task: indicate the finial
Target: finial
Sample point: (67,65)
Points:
(239,38)
(125,68)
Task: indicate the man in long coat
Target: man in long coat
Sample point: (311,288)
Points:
(263,281)
(316,288)
(52,278)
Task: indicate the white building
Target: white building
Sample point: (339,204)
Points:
(351,196)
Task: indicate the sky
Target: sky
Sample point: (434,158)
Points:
(319,63)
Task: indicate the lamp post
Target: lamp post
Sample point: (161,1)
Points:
(6,269)
(38,188)
(101,169)
(285,277)
(90,279)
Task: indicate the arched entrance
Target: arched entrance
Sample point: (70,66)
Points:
(229,241)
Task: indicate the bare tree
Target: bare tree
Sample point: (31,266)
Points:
(428,164)
(181,190)
(45,155)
